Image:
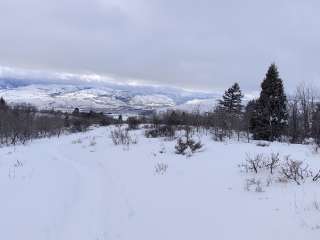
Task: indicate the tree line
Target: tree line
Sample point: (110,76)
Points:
(22,122)
(272,116)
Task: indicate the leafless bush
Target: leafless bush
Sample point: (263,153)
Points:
(291,170)
(295,171)
(254,164)
(161,168)
(273,162)
(260,161)
(122,136)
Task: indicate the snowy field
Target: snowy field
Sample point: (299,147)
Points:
(82,187)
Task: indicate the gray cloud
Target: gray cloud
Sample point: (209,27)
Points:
(203,44)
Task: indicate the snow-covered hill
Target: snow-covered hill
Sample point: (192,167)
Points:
(106,98)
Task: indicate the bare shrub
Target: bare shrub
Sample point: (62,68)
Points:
(254,164)
(161,168)
(273,162)
(260,161)
(295,171)
(121,136)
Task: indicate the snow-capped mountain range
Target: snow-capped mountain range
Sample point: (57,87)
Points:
(107,97)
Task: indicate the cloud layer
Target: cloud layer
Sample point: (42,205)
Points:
(203,44)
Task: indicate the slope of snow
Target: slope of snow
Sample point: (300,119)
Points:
(80,186)
(101,98)
(62,97)
(152,101)
(203,105)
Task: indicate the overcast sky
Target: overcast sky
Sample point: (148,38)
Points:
(202,44)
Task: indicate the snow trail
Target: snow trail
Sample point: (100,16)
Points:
(82,187)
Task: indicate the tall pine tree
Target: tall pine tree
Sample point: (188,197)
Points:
(231,102)
(230,109)
(271,117)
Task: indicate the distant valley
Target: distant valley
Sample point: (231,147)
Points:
(107,98)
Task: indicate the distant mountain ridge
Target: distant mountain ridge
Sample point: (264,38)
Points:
(106,97)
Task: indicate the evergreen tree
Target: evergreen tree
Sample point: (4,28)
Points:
(271,118)
(3,104)
(250,115)
(76,112)
(232,100)
(2,101)
(230,109)
(173,119)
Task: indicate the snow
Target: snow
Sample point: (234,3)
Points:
(108,98)
(202,105)
(156,100)
(81,186)
(65,97)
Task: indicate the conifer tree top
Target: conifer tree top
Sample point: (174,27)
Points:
(272,71)
(231,100)
(272,84)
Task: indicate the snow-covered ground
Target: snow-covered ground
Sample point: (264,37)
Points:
(81,186)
